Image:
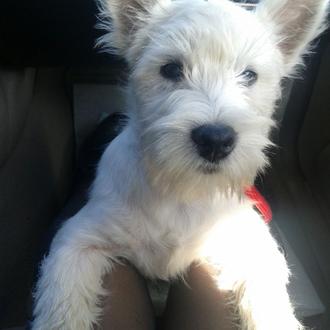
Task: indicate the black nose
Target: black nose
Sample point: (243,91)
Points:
(214,142)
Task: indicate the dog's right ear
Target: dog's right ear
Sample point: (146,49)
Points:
(122,19)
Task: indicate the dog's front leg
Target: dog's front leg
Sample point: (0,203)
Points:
(70,285)
(251,268)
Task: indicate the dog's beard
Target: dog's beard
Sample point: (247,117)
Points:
(188,184)
(174,167)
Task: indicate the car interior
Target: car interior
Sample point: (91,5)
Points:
(62,101)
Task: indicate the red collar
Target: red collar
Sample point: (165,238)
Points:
(260,203)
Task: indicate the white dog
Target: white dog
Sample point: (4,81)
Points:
(204,79)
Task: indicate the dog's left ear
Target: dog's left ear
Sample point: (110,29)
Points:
(295,23)
(122,19)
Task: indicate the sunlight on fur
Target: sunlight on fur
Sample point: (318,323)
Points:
(244,277)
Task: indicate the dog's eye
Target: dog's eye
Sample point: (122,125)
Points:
(249,77)
(172,71)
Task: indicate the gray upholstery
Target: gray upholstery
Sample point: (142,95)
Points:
(36,162)
(16,88)
(314,139)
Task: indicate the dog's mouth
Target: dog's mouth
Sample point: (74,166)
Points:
(209,168)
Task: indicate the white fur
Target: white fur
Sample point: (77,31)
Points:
(152,202)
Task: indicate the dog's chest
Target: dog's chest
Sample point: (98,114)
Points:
(167,237)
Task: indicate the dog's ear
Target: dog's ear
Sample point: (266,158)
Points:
(121,19)
(296,23)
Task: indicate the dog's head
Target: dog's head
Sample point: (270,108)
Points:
(205,76)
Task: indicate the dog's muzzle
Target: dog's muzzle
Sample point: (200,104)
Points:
(214,142)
